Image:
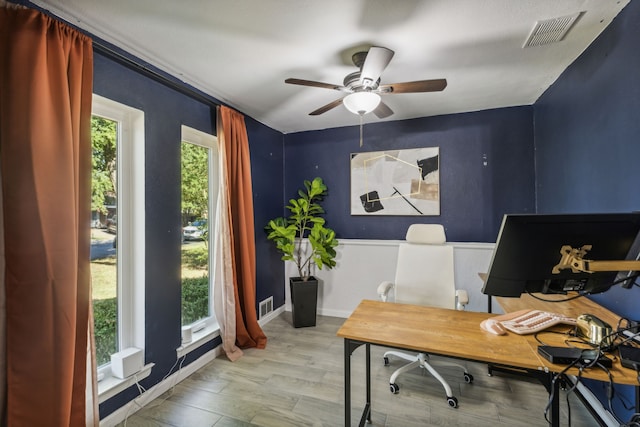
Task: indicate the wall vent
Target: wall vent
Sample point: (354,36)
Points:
(266,307)
(551,30)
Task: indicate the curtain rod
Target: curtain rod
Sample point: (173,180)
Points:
(148,70)
(124,58)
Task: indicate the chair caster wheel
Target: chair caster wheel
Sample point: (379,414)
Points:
(395,389)
(386,361)
(452,401)
(468,378)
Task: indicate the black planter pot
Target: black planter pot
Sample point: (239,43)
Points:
(304,301)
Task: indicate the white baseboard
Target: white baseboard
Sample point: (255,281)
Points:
(334,313)
(141,401)
(325,312)
(269,317)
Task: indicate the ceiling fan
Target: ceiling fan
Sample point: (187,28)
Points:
(363,88)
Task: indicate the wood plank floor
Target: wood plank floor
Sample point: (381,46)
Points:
(298,381)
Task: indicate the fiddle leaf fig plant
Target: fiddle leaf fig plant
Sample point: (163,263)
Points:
(303,221)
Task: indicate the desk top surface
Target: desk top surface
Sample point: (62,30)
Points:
(436,331)
(458,334)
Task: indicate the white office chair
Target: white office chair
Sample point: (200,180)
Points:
(424,276)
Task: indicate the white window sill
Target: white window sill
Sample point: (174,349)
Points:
(209,333)
(110,385)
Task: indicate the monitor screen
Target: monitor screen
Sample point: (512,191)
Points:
(529,247)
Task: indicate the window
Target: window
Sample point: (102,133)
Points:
(199,184)
(117,235)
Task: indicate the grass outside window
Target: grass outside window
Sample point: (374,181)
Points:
(195,294)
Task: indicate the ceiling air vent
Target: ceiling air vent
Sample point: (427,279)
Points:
(551,30)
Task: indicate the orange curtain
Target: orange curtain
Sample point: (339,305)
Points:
(233,136)
(46,72)
(3,317)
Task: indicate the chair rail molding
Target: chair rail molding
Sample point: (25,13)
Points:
(363,264)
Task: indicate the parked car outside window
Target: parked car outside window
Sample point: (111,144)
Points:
(112,224)
(196,230)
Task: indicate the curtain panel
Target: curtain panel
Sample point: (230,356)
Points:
(3,317)
(46,71)
(224,295)
(234,143)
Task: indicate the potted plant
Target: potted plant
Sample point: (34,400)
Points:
(288,233)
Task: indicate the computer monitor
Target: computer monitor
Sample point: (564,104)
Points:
(528,248)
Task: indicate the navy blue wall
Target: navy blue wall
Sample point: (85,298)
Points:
(586,137)
(165,111)
(474,195)
(267,180)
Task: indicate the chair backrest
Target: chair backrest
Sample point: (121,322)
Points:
(424,273)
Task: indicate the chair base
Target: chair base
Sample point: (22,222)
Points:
(422,360)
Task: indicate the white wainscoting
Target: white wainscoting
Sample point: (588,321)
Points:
(363,264)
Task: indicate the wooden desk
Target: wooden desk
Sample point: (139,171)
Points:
(430,330)
(448,333)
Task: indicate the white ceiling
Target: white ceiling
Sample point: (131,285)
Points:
(241,51)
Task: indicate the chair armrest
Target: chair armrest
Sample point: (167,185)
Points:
(462,299)
(383,290)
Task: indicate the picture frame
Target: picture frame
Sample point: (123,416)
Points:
(396,182)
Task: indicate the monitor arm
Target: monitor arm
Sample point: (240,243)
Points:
(573,258)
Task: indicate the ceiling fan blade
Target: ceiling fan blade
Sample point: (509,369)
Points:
(435,85)
(312,83)
(326,108)
(382,110)
(374,64)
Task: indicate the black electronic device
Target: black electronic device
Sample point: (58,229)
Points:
(528,248)
(630,356)
(569,355)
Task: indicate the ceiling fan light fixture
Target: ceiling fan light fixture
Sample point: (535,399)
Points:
(361,102)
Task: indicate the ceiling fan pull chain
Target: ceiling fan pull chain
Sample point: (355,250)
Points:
(361,116)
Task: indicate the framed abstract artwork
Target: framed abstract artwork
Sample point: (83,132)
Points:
(396,182)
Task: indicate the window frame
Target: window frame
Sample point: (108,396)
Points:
(130,233)
(211,328)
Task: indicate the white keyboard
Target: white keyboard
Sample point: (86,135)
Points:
(535,321)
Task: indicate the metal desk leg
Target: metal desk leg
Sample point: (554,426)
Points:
(367,407)
(349,347)
(347,382)
(555,404)
(552,383)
